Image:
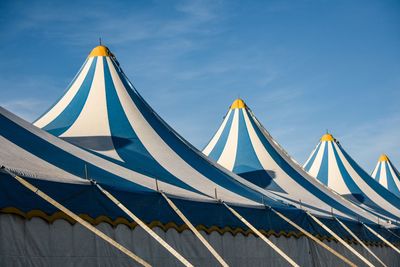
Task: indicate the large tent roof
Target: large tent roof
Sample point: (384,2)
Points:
(103,113)
(332,166)
(387,175)
(242,145)
(58,168)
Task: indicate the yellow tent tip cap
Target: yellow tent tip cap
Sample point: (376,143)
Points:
(238,103)
(383,157)
(100,51)
(327,137)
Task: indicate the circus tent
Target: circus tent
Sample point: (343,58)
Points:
(387,175)
(101,141)
(334,167)
(243,146)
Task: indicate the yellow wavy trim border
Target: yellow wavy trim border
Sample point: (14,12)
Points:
(59,215)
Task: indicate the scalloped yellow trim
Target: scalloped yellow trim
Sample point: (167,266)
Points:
(164,226)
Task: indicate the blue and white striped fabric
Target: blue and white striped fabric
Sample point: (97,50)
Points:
(387,175)
(332,166)
(103,113)
(242,145)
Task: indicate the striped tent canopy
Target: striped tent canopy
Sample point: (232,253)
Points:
(103,113)
(62,170)
(102,129)
(101,134)
(387,175)
(332,166)
(243,145)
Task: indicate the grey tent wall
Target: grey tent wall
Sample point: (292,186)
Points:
(35,242)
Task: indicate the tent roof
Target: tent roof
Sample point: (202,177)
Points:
(387,175)
(103,113)
(242,145)
(332,166)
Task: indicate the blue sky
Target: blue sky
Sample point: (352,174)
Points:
(302,66)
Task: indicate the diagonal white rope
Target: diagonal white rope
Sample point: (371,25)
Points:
(79,219)
(359,241)
(194,230)
(260,235)
(145,227)
(382,238)
(341,241)
(316,240)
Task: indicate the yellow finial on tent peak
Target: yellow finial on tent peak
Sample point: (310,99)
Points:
(100,51)
(383,157)
(238,103)
(327,137)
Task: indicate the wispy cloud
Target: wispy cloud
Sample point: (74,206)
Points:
(27,108)
(367,140)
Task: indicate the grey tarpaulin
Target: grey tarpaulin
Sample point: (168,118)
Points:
(35,242)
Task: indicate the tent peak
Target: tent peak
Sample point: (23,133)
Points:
(383,157)
(238,103)
(327,137)
(100,51)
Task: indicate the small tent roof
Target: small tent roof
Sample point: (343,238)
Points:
(242,145)
(332,166)
(387,175)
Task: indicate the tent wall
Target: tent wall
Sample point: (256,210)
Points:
(35,242)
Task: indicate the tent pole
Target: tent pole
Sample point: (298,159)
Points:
(194,230)
(359,241)
(341,241)
(153,234)
(316,240)
(78,219)
(260,235)
(382,238)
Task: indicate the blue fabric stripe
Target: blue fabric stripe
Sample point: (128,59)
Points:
(69,115)
(131,150)
(386,194)
(314,155)
(219,146)
(65,92)
(378,172)
(189,153)
(246,158)
(323,170)
(348,180)
(390,181)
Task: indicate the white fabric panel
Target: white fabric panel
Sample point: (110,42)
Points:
(24,163)
(36,243)
(93,119)
(228,155)
(317,161)
(66,99)
(335,178)
(311,155)
(217,135)
(383,178)
(375,172)
(164,154)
